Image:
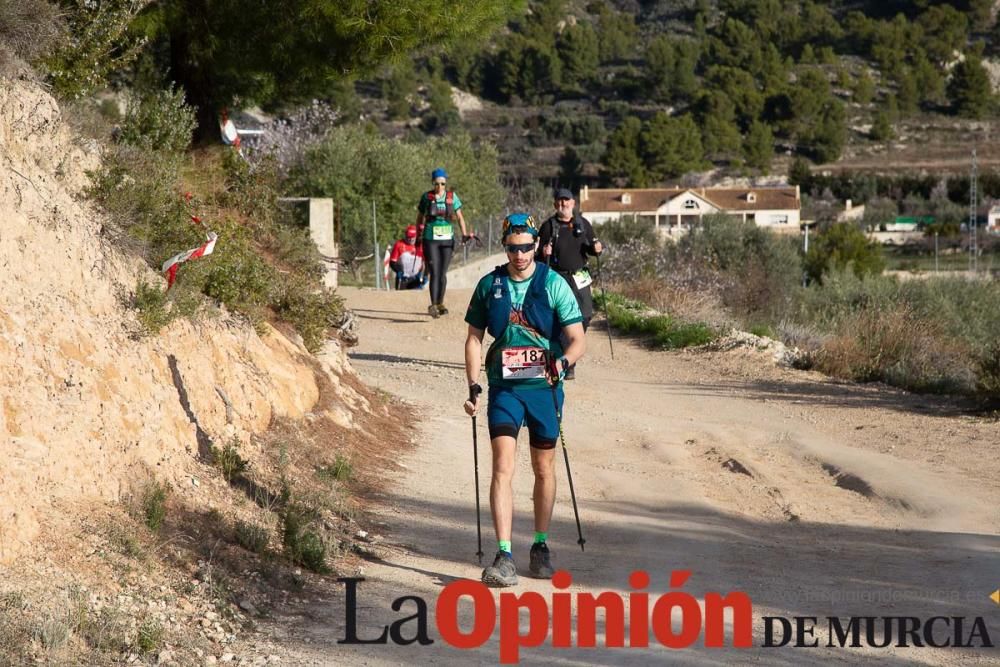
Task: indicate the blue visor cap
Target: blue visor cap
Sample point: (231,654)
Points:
(518,223)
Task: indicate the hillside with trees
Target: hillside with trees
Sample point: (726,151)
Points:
(602,90)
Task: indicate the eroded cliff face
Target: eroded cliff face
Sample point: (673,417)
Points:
(86,408)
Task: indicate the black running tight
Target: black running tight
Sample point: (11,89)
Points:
(437,254)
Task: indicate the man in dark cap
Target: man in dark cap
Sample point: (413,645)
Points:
(565,242)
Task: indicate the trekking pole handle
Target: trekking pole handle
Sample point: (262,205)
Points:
(474,391)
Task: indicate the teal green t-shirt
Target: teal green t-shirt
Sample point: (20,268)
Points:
(519,333)
(436,226)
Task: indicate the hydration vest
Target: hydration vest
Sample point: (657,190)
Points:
(449,205)
(536,308)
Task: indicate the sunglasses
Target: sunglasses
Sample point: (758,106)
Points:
(440,182)
(520,247)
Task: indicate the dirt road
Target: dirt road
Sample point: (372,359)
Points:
(815,498)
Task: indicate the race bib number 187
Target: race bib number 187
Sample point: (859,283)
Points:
(523,363)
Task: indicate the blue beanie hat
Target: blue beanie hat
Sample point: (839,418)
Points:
(439,173)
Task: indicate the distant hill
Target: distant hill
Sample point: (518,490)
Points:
(642,92)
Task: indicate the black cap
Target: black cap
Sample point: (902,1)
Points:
(563,193)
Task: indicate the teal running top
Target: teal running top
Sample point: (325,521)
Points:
(521,341)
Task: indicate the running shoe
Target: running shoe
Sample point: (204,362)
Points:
(540,567)
(442,310)
(503,572)
(433,311)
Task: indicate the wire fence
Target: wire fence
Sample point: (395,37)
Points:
(362,252)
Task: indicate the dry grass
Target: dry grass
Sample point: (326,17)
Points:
(896,346)
(691,305)
(15,629)
(29,29)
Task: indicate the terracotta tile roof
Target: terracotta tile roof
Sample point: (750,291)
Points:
(730,199)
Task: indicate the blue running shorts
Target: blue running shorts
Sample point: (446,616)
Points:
(509,409)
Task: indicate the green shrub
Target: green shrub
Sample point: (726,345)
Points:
(354,167)
(154,505)
(138,190)
(52,633)
(988,380)
(252,536)
(841,246)
(229,460)
(312,313)
(263,263)
(151,303)
(757,270)
(302,544)
(252,189)
(99,45)
(159,120)
(626,230)
(237,275)
(665,331)
(149,636)
(340,471)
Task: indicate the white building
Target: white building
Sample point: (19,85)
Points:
(675,210)
(851,213)
(993,220)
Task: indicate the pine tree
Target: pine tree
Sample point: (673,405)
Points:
(906,92)
(280,53)
(578,51)
(864,88)
(571,169)
(758,146)
(717,117)
(660,63)
(671,146)
(827,139)
(970,90)
(622,159)
(399,89)
(881,126)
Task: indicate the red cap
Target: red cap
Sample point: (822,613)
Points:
(411,230)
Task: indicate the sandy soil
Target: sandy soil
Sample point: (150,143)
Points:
(816,498)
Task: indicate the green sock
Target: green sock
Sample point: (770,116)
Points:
(540,537)
(504,545)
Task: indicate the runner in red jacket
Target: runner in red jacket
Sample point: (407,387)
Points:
(407,261)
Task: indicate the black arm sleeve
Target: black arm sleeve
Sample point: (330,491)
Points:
(544,236)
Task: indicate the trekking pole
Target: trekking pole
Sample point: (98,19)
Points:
(562,438)
(474,392)
(607,306)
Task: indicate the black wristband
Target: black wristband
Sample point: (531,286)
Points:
(474,391)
